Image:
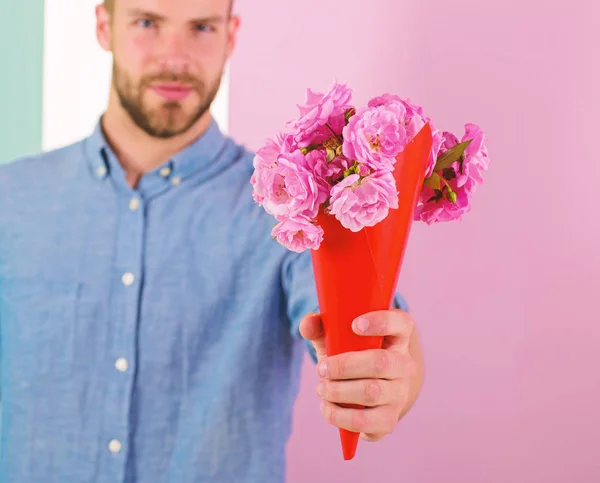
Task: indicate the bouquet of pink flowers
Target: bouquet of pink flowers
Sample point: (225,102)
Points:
(347,183)
(341,159)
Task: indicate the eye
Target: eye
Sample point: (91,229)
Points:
(146,23)
(204,27)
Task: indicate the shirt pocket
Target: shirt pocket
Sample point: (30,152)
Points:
(37,320)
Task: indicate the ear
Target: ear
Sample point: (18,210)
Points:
(234,26)
(103,27)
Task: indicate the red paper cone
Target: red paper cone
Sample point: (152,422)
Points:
(357,273)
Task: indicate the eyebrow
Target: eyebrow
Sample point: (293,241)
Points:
(137,12)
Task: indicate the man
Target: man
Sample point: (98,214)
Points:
(151,329)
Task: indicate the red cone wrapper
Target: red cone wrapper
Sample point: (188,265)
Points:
(357,273)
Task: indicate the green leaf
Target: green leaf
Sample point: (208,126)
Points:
(453,154)
(434,181)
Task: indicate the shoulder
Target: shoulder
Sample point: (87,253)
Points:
(242,156)
(43,166)
(39,176)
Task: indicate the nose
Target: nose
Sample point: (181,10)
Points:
(174,56)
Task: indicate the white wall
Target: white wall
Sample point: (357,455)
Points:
(77,74)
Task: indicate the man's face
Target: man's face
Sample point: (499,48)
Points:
(168,59)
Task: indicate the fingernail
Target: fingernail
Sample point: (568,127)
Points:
(323,369)
(320,389)
(362,324)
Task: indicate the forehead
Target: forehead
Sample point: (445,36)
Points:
(181,9)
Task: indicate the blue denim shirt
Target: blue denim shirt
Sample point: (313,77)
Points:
(147,335)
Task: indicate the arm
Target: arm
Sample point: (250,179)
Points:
(300,292)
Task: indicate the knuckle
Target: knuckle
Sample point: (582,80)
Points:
(382,363)
(373,392)
(340,366)
(331,391)
(381,326)
(359,421)
(330,414)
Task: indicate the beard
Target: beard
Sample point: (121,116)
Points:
(169,118)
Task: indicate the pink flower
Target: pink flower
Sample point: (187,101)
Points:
(298,234)
(287,187)
(443,209)
(363,170)
(383,100)
(265,159)
(267,155)
(414,118)
(458,182)
(357,202)
(326,174)
(320,110)
(438,140)
(469,173)
(476,159)
(375,135)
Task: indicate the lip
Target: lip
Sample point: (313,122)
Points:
(172,91)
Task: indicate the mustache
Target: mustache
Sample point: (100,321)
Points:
(183,78)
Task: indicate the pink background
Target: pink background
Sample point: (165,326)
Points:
(507,300)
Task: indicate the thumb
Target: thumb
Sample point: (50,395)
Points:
(311,328)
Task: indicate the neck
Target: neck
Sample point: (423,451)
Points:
(137,151)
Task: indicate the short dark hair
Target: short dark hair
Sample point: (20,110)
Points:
(110,5)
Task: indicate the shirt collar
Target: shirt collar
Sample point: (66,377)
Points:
(199,155)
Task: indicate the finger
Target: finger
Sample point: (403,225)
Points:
(377,421)
(368,364)
(395,325)
(365,392)
(372,437)
(311,328)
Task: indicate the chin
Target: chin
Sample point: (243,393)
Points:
(167,128)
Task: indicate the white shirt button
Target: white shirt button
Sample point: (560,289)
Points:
(176,181)
(128,279)
(134,204)
(164,172)
(121,364)
(114,446)
(101,171)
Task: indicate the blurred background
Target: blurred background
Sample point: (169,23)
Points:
(507,300)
